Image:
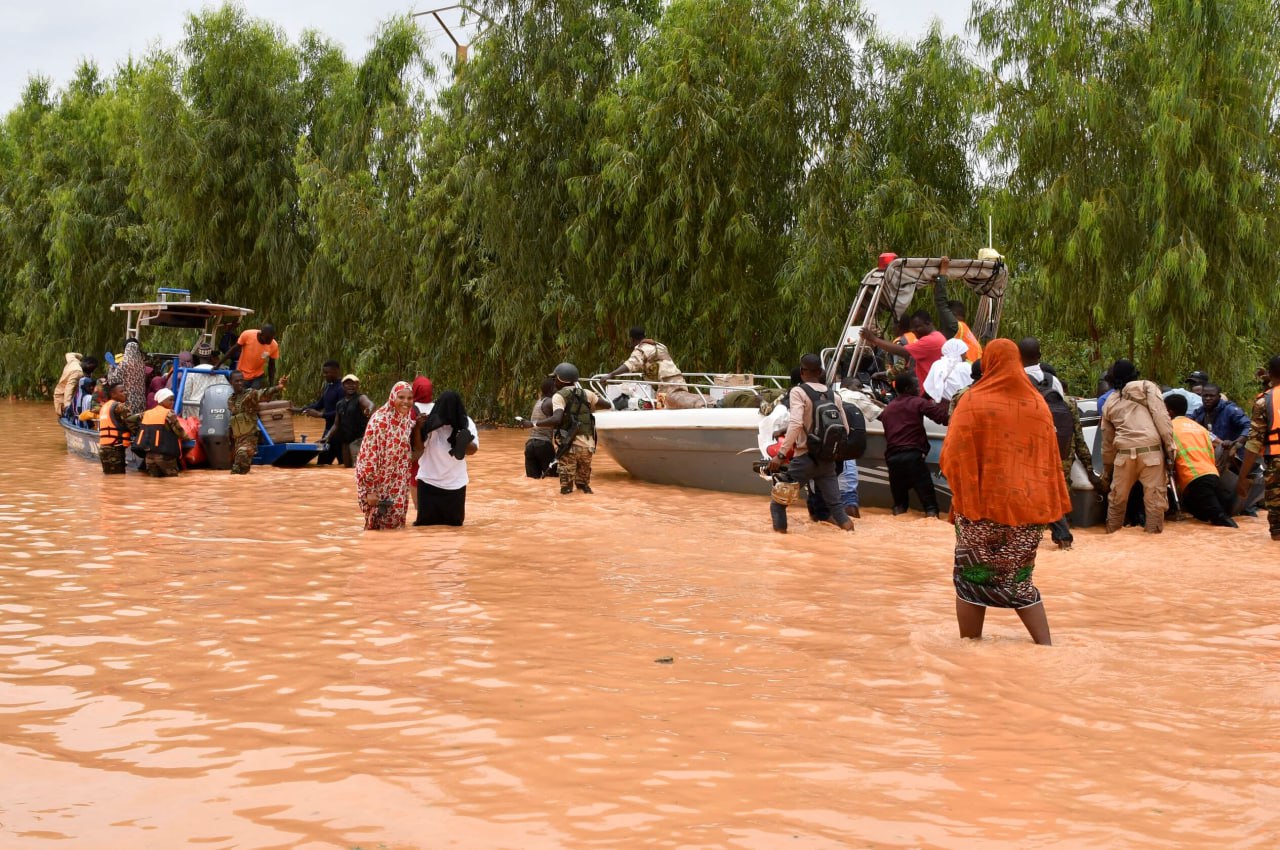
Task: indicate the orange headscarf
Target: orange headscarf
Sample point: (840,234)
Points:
(1001,454)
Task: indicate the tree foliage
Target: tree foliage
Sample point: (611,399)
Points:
(720,171)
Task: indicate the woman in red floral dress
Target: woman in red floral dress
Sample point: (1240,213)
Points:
(383,466)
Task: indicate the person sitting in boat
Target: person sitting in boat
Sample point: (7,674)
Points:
(160,437)
(76,367)
(243,407)
(653,361)
(256,353)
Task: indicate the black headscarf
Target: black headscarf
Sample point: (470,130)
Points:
(1122,373)
(449,410)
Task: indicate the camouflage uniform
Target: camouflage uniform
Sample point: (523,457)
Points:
(113,462)
(113,458)
(245,405)
(1079,448)
(575,467)
(1258,431)
(158,465)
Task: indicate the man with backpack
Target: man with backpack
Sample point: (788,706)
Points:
(574,420)
(820,433)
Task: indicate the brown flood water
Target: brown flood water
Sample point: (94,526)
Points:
(217,662)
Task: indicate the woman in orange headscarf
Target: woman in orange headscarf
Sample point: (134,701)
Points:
(1001,460)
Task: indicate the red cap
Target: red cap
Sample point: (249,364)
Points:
(885,259)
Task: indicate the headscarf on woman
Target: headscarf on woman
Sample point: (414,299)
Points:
(450,411)
(950,374)
(155,384)
(1000,455)
(423,392)
(130,371)
(383,466)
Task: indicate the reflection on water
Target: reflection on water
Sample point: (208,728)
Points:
(220,662)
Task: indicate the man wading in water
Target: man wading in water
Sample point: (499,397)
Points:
(804,467)
(243,407)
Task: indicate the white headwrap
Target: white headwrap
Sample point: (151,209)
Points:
(951,373)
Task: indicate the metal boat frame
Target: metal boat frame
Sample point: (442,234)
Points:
(175,309)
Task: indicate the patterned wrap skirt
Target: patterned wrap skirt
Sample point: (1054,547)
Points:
(994,563)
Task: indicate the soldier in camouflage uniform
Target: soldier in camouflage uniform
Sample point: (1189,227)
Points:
(243,407)
(1264,443)
(114,430)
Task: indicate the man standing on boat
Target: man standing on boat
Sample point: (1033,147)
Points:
(804,468)
(243,407)
(652,360)
(256,352)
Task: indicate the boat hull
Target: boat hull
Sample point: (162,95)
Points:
(84,442)
(713,449)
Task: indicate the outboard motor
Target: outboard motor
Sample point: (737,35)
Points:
(215,426)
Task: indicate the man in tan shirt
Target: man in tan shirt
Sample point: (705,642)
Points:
(803,468)
(652,360)
(1137,436)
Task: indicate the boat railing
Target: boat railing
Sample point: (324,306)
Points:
(711,387)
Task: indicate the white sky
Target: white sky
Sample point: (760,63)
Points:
(51,38)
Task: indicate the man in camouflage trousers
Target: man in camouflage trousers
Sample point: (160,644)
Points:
(243,407)
(573,418)
(1264,443)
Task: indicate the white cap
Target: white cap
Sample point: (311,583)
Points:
(164,395)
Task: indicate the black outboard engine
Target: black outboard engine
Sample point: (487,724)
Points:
(215,426)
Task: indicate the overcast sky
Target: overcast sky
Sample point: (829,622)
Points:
(51,38)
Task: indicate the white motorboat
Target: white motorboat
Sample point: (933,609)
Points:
(714,447)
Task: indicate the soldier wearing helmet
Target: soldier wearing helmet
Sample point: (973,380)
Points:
(573,418)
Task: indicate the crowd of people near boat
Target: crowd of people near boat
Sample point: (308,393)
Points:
(1013,436)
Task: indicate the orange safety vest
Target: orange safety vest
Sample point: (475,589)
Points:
(907,338)
(1271,439)
(965,335)
(108,433)
(1195,456)
(154,434)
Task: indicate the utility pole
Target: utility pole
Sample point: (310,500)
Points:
(460,49)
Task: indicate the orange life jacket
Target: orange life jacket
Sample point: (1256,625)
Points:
(108,433)
(965,335)
(907,338)
(1271,439)
(1195,456)
(155,436)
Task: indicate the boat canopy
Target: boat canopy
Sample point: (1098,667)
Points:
(181,312)
(987,278)
(892,291)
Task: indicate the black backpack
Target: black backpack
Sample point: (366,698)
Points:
(1064,424)
(829,439)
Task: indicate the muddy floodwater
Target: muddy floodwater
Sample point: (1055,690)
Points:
(219,662)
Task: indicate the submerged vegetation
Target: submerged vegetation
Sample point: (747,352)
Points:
(721,171)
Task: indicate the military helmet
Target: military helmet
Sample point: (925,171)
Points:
(566,373)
